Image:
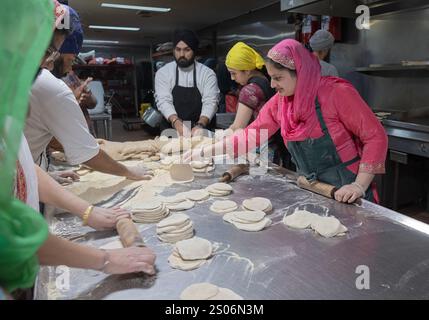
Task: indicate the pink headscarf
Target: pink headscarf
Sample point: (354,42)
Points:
(298,112)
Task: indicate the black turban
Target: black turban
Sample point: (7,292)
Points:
(187,36)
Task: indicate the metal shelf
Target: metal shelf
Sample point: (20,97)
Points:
(396,71)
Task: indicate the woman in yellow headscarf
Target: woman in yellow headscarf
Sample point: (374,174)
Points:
(247,68)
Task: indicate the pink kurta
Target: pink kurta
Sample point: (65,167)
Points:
(351,123)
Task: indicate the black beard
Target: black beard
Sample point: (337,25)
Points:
(184,63)
(59,68)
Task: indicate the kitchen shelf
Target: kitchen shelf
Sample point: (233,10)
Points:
(123,83)
(102,66)
(396,70)
(162,53)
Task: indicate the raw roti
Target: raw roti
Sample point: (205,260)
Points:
(326,226)
(181,173)
(174,220)
(199,291)
(177,263)
(184,205)
(258,226)
(300,219)
(248,216)
(226,294)
(223,206)
(197,195)
(194,249)
(220,186)
(257,203)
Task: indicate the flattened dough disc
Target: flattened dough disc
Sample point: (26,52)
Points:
(181,173)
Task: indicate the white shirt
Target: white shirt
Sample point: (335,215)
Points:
(55,112)
(328,69)
(165,80)
(26,161)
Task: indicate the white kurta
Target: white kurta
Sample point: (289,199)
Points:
(26,161)
(54,112)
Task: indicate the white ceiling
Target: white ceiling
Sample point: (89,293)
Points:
(194,14)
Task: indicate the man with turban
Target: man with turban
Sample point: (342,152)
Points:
(321,43)
(186,90)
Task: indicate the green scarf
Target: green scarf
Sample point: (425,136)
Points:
(26,28)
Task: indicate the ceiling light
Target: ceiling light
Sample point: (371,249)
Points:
(114,28)
(123,6)
(101,41)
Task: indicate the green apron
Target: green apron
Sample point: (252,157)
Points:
(317,159)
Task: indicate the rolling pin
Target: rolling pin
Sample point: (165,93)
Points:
(234,172)
(128,233)
(321,188)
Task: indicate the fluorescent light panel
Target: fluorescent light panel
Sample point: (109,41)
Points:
(114,28)
(130,7)
(101,41)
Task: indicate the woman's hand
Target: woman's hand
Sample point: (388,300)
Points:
(129,260)
(103,218)
(138,173)
(193,155)
(348,193)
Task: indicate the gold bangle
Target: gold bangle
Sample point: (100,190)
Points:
(86,214)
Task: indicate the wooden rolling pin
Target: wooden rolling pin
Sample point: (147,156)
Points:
(321,188)
(234,172)
(128,233)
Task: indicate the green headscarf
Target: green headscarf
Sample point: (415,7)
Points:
(26,28)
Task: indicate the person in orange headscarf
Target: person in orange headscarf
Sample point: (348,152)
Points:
(328,128)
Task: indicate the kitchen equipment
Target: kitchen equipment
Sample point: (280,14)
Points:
(321,188)
(128,233)
(234,172)
(152,117)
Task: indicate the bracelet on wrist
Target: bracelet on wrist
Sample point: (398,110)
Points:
(86,215)
(174,121)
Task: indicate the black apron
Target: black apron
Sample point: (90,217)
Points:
(187,100)
(317,159)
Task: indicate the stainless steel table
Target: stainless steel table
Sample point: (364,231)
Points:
(276,263)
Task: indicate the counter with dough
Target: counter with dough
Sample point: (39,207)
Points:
(379,254)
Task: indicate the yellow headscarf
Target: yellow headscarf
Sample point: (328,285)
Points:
(242,57)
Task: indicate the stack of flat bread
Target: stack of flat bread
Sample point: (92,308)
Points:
(150,212)
(257,203)
(175,228)
(248,220)
(204,166)
(178,202)
(223,206)
(219,189)
(190,254)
